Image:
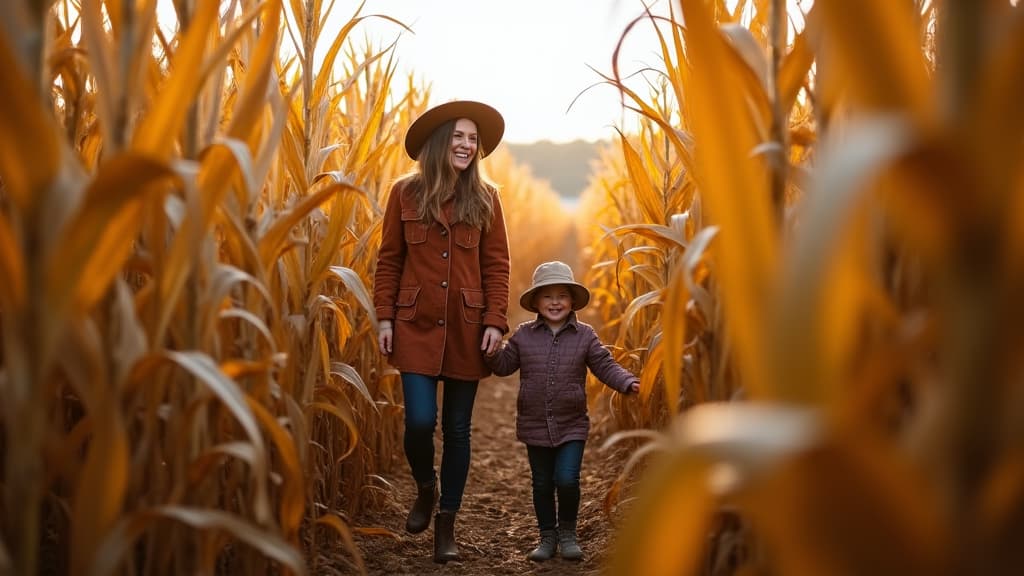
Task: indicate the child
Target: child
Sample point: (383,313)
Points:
(552,354)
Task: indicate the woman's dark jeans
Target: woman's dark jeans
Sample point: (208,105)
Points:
(421,420)
(556,470)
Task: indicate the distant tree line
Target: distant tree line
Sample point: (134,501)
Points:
(566,166)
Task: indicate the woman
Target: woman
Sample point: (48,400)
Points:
(441,295)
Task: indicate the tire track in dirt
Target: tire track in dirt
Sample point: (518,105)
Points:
(496,527)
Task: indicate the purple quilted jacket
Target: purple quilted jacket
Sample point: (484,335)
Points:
(552,404)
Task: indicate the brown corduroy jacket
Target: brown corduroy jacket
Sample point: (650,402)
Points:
(440,284)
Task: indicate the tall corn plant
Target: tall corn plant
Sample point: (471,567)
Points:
(637,219)
(339,138)
(82,372)
(870,306)
(164,371)
(647,208)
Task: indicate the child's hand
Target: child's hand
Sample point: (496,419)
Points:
(491,341)
(489,353)
(634,388)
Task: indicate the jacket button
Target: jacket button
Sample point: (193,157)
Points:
(444,284)
(444,254)
(440,322)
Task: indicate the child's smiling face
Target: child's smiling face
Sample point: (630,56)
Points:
(554,303)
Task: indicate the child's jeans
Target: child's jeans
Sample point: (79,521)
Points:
(420,420)
(556,470)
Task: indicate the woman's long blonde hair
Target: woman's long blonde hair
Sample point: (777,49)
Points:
(437,181)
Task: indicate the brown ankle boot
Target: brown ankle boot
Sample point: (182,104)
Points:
(422,508)
(547,547)
(445,549)
(568,548)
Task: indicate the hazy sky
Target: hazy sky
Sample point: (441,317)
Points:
(528,58)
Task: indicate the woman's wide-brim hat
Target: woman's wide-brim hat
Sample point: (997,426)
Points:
(490,126)
(551,274)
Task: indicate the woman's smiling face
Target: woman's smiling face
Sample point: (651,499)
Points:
(464,144)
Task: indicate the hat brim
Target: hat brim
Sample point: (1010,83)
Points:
(490,125)
(580,295)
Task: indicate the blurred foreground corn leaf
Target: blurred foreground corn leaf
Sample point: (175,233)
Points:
(862,173)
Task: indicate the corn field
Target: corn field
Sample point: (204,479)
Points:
(810,247)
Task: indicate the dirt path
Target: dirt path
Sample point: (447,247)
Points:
(496,526)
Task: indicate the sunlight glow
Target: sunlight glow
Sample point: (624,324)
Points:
(539,62)
(528,58)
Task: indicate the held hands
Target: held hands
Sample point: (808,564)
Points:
(491,341)
(384,335)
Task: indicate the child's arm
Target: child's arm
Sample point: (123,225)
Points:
(607,370)
(506,359)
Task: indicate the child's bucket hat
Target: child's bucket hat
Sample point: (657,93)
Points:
(555,273)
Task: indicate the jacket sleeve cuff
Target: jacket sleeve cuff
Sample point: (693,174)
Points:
(385,313)
(497,320)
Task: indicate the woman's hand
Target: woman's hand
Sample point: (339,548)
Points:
(491,341)
(384,333)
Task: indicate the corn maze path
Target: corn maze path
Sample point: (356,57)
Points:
(496,527)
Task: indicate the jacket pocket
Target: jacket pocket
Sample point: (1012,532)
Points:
(405,306)
(473,305)
(415,231)
(467,236)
